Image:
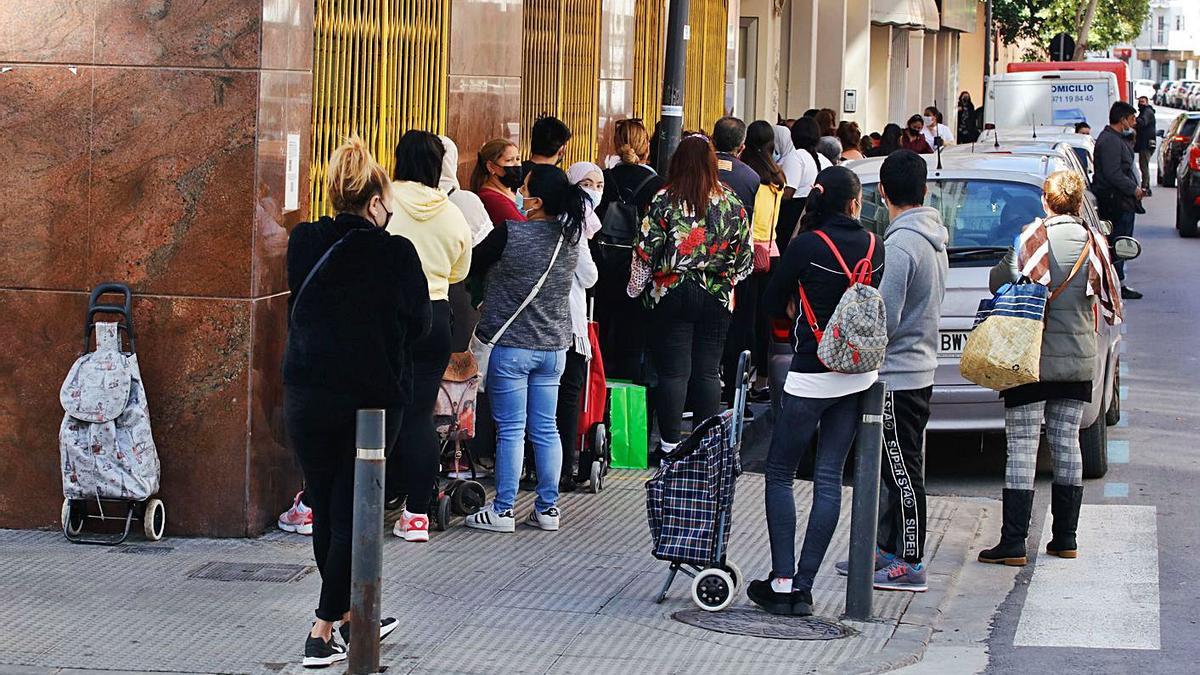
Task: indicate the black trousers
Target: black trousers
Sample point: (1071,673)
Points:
(413,463)
(902,485)
(742,329)
(687,339)
(570,387)
(321,428)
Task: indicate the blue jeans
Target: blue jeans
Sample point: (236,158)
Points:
(793,434)
(522,385)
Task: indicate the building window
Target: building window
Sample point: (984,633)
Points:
(1160,36)
(1179,22)
(1164,70)
(1146,70)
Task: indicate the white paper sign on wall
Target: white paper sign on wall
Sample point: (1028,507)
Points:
(291,179)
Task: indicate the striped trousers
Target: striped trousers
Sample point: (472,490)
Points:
(1023,427)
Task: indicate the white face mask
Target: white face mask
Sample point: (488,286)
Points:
(594,195)
(928,122)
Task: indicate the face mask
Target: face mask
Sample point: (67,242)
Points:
(928,121)
(594,195)
(512,177)
(1127,132)
(520,201)
(776,155)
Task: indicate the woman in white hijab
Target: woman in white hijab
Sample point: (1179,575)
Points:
(787,159)
(467,202)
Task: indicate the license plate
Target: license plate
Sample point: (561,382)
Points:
(951,342)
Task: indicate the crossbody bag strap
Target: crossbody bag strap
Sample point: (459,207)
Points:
(1087,249)
(312,273)
(532,293)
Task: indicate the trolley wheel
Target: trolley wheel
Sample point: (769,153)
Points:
(469,497)
(601,443)
(596,479)
(735,573)
(154,519)
(72,523)
(443,514)
(712,589)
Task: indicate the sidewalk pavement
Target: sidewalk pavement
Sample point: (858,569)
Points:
(577,601)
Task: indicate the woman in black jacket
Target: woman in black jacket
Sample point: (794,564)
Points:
(359,301)
(812,394)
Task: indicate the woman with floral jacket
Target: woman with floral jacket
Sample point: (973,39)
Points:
(694,247)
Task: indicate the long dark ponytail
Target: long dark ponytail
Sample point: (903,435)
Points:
(835,188)
(560,199)
(805,135)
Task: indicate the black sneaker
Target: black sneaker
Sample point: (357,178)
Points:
(1128,293)
(320,653)
(386,626)
(802,603)
(760,593)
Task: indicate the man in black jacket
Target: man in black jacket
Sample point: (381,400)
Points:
(1115,185)
(1144,145)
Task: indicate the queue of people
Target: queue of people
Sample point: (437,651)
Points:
(752,233)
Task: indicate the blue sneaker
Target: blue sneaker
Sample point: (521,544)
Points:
(882,560)
(901,576)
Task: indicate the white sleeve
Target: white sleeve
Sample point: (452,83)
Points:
(793,171)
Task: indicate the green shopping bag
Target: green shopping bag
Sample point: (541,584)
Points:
(627,411)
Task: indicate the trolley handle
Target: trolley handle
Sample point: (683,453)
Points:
(124,310)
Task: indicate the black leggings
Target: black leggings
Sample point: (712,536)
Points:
(574,378)
(321,428)
(413,464)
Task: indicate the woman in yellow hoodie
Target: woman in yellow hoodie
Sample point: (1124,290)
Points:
(424,215)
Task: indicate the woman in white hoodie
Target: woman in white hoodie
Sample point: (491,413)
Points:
(424,215)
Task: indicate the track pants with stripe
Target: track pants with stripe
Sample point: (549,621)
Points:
(902,485)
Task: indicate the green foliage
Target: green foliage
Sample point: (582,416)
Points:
(1116,21)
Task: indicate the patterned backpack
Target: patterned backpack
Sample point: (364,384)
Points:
(855,339)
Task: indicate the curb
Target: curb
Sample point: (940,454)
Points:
(907,644)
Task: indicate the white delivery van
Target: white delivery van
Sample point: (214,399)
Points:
(1050,98)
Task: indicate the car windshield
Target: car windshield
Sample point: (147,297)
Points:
(982,217)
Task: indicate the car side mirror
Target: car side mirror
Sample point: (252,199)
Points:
(1106,227)
(1162,133)
(1126,248)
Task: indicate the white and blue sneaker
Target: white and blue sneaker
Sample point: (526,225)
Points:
(490,520)
(902,576)
(546,520)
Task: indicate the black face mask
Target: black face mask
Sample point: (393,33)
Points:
(513,177)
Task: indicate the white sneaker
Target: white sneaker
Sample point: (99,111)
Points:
(489,519)
(547,520)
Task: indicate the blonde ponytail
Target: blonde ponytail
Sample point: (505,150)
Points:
(354,176)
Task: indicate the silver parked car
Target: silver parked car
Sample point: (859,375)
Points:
(985,199)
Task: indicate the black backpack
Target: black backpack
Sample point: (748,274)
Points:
(621,222)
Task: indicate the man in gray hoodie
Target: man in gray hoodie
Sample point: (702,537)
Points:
(914,283)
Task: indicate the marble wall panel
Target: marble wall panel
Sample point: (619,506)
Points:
(42,334)
(274,475)
(616,39)
(284,108)
(47,31)
(213,34)
(44,116)
(287,34)
(172,180)
(480,109)
(485,37)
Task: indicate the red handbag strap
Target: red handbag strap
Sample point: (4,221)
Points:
(861,273)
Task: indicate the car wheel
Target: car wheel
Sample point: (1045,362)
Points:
(1113,415)
(1093,441)
(1184,221)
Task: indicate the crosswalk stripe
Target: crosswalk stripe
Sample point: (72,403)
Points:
(1116,489)
(1108,597)
(1118,452)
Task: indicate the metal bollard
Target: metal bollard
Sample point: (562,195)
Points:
(366,565)
(864,516)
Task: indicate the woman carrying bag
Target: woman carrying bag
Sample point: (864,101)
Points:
(1064,254)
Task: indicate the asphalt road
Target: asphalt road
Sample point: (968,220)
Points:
(1157,474)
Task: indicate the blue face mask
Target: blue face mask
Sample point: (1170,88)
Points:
(776,155)
(520,202)
(1127,132)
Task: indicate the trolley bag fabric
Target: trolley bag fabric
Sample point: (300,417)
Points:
(105,443)
(855,337)
(596,393)
(1005,348)
(690,491)
(454,409)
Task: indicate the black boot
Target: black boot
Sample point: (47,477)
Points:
(1064,504)
(1018,504)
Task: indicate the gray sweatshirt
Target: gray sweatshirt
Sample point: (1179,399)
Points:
(913,286)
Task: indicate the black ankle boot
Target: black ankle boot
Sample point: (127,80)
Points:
(1018,504)
(1064,505)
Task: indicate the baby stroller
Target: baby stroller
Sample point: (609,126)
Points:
(107,450)
(595,439)
(689,504)
(454,420)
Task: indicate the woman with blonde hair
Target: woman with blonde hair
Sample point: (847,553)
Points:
(1071,259)
(359,302)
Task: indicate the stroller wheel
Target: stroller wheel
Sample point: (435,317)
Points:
(712,590)
(596,481)
(443,513)
(601,443)
(735,573)
(154,519)
(469,496)
(72,522)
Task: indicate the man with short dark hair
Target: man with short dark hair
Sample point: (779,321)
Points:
(1115,185)
(547,141)
(1146,135)
(913,286)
